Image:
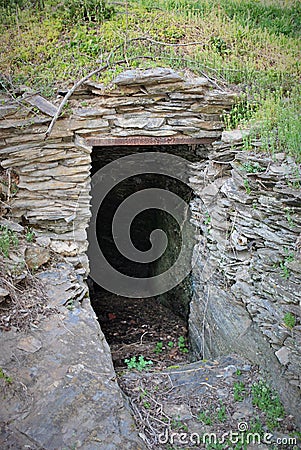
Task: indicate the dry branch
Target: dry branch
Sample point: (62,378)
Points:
(114,64)
(83,80)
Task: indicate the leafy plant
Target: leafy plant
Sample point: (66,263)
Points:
(219,45)
(159,347)
(70,304)
(139,364)
(285,271)
(247,187)
(170,344)
(221,414)
(179,425)
(30,235)
(182,345)
(256,426)
(267,400)
(8,239)
(289,320)
(205,417)
(238,390)
(4,376)
(289,217)
(252,167)
(207,219)
(241,113)
(279,127)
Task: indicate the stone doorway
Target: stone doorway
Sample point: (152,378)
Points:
(155,326)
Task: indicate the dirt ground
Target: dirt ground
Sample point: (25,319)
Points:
(141,327)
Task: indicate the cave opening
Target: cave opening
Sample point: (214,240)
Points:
(155,326)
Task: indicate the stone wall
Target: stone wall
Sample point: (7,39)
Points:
(247,205)
(53,174)
(247,269)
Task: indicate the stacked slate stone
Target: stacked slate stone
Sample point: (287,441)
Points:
(247,262)
(54,179)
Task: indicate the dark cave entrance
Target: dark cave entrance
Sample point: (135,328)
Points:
(139,326)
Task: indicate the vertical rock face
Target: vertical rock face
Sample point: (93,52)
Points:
(247,262)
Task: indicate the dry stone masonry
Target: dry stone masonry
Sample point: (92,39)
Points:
(247,269)
(247,204)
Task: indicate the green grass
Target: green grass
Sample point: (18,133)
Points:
(254,44)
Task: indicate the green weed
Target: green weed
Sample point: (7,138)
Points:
(8,239)
(70,304)
(159,348)
(182,344)
(221,414)
(29,235)
(289,217)
(289,320)
(87,10)
(284,270)
(5,377)
(209,417)
(238,391)
(178,425)
(247,186)
(267,401)
(279,125)
(207,219)
(241,113)
(140,364)
(250,167)
(205,417)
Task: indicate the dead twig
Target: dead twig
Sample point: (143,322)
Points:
(83,80)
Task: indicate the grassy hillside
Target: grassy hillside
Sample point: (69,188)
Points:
(253,44)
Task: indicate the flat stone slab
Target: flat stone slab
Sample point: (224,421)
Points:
(63,391)
(148,76)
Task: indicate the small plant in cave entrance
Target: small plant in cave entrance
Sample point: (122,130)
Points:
(182,345)
(140,364)
(158,348)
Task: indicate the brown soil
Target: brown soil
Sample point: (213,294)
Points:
(145,327)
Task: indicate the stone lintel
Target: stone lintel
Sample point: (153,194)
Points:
(137,140)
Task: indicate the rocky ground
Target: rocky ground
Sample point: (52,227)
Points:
(199,405)
(179,404)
